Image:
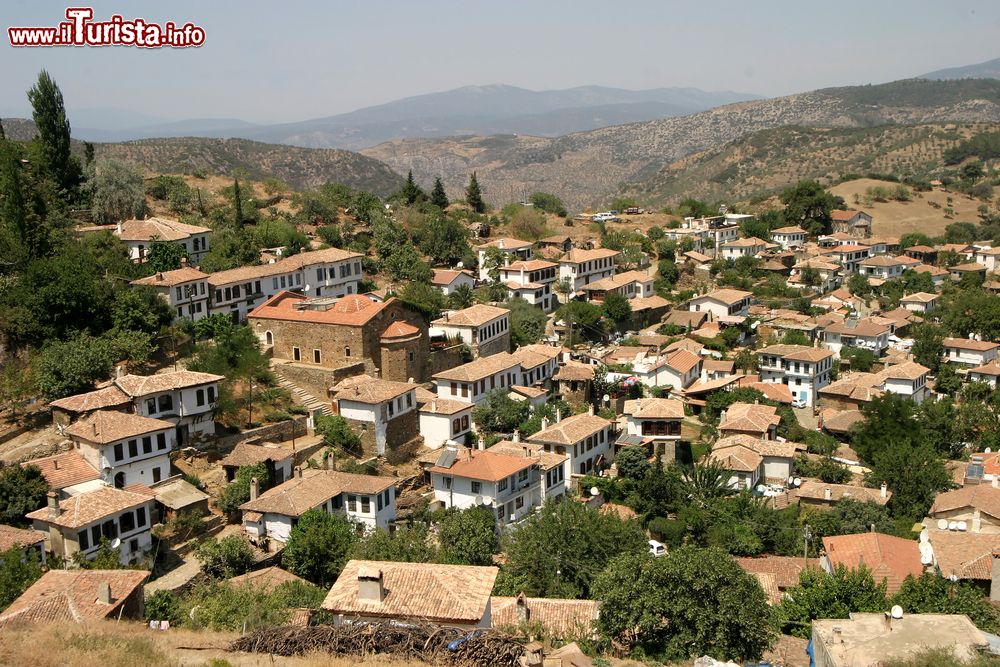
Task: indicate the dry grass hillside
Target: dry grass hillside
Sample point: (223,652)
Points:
(585,167)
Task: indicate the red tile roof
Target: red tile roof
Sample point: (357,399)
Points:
(67,469)
(73,595)
(483,464)
(887,557)
(352,310)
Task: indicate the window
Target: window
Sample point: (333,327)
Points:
(502,485)
(378,502)
(465,422)
(161,440)
(477,487)
(140,517)
(317,356)
(296,354)
(352,503)
(147,445)
(456,426)
(388,497)
(127,522)
(109,529)
(522,475)
(118,452)
(447,482)
(156,475)
(83,539)
(133,546)
(519,502)
(409,400)
(180,294)
(347,351)
(500,512)
(366,504)
(391,407)
(166,403)
(150,406)
(199,397)
(337,502)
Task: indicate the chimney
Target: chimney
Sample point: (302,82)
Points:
(104,592)
(371,585)
(328,460)
(887,621)
(184,262)
(523,613)
(545,423)
(517,435)
(254,488)
(376,373)
(298,471)
(558,415)
(159,276)
(885,489)
(481,442)
(827,494)
(119,226)
(93,427)
(590,409)
(838,637)
(55,464)
(53,504)
(434,405)
(501,243)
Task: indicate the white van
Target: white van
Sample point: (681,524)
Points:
(657,549)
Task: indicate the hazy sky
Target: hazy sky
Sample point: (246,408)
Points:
(292,60)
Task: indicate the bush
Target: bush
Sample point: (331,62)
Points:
(225,558)
(163,606)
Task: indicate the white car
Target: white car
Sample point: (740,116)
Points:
(798,403)
(657,549)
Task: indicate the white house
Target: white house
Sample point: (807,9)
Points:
(748,247)
(987,373)
(472,477)
(532,280)
(881,267)
(919,302)
(630,284)
(126,448)
(484,328)
(185,290)
(908,379)
(331,272)
(827,274)
(539,363)
(804,369)
(80,522)
(867,334)
(582,267)
(584,438)
(678,369)
(855,223)
(443,421)
(849,256)
(968,352)
(553,469)
(722,303)
(655,420)
(472,382)
(389,407)
(789,237)
(751,461)
(138,236)
(513,249)
(447,280)
(988,257)
(367,500)
(187,399)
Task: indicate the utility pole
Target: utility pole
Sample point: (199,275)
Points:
(807,535)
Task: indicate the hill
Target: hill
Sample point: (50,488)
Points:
(767,161)
(299,167)
(987,70)
(585,168)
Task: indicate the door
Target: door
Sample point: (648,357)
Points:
(182,435)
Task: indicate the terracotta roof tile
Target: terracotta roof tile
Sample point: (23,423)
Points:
(67,469)
(785,569)
(473,316)
(753,417)
(296,262)
(966,555)
(266,579)
(577,256)
(736,457)
(369,390)
(983,497)
(446,276)
(763,447)
(505,243)
(815,489)
(574,370)
(797,352)
(399,329)
(442,406)
(162,228)
(11,537)
(90,506)
(295,496)
(726,296)
(683,361)
(867,328)
(248,454)
(62,595)
(486,465)
(888,557)
(530,265)
(106,397)
(143,385)
(992,368)
(558,618)
(654,408)
(522,449)
(571,429)
(352,310)
(107,426)
(480,368)
(429,591)
(967,344)
(179,276)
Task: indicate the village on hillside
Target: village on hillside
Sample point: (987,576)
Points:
(475,433)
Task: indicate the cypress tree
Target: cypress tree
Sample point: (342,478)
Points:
(3,135)
(474,195)
(23,234)
(49,114)
(237,202)
(411,191)
(438,196)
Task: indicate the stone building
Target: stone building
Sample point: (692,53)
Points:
(377,338)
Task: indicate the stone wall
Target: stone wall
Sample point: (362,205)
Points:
(499,344)
(276,432)
(317,380)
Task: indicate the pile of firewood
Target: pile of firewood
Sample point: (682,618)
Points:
(426,643)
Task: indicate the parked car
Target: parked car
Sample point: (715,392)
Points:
(798,403)
(657,549)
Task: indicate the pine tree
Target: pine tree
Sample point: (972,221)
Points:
(22,232)
(411,191)
(438,196)
(88,153)
(474,195)
(237,203)
(49,114)
(3,135)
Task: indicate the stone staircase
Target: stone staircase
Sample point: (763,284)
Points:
(301,396)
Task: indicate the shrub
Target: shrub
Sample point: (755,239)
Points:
(225,558)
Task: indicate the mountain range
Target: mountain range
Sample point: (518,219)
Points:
(986,70)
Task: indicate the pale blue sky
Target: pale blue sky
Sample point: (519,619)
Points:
(292,60)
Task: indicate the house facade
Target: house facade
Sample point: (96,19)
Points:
(789,237)
(185,290)
(512,249)
(585,438)
(533,281)
(472,382)
(127,448)
(139,235)
(385,412)
(722,303)
(472,477)
(969,352)
(805,370)
(582,267)
(484,328)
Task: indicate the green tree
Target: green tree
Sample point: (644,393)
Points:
(632,462)
(24,230)
(226,558)
(474,195)
(859,358)
(560,550)
(17,573)
(584,318)
(73,366)
(424,298)
(49,113)
(405,263)
(469,536)
(809,205)
(318,546)
(446,241)
(405,545)
(461,297)
(931,593)
(141,309)
(117,192)
(411,192)
(238,218)
(927,346)
(617,308)
(238,491)
(707,480)
(688,603)
(499,413)
(165,256)
(548,203)
(822,595)
(849,517)
(438,196)
(527,322)
(22,490)
(337,433)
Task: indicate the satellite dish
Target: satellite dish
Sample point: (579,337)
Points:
(479,500)
(115,543)
(924,536)
(761,488)
(594,491)
(607,398)
(797,482)
(952,525)
(896,611)
(926,559)
(942,524)
(962,526)
(488,502)
(987,450)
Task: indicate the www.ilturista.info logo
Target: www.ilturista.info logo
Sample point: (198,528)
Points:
(80,30)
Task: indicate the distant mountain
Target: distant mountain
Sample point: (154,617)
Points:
(987,70)
(468,110)
(584,168)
